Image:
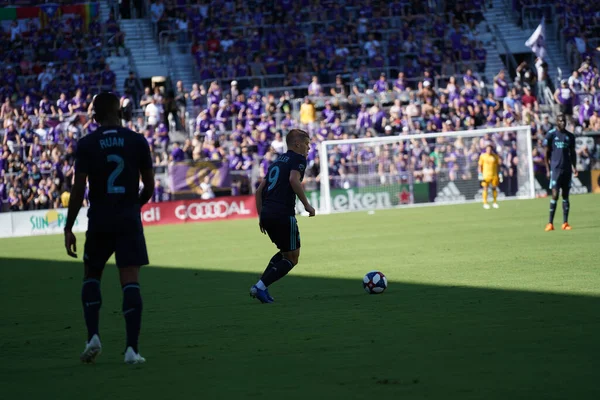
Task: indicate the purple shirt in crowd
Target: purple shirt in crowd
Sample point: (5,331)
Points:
(177,154)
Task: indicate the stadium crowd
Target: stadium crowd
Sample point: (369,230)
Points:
(389,71)
(51,70)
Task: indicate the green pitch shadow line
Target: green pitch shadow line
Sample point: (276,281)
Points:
(323,338)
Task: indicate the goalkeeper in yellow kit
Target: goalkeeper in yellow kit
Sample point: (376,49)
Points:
(490,174)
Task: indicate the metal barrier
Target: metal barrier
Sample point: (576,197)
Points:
(163,38)
(510,58)
(372,72)
(532,15)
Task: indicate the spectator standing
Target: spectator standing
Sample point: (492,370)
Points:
(132,87)
(181,98)
(541,68)
(307,114)
(152,114)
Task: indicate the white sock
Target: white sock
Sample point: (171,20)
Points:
(261,285)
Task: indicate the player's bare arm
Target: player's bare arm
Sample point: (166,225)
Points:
(75,202)
(258,197)
(258,201)
(548,157)
(148,181)
(299,190)
(573,157)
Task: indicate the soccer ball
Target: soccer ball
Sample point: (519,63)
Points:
(374,282)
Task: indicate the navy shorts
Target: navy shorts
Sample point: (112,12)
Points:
(283,231)
(560,179)
(129,249)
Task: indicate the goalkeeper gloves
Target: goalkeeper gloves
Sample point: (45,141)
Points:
(500,177)
(480,176)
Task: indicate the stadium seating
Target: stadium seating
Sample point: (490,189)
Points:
(53,63)
(337,69)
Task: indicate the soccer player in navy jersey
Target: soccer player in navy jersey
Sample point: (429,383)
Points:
(276,205)
(111,159)
(561,167)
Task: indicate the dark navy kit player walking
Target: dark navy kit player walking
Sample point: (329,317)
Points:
(276,206)
(560,162)
(111,160)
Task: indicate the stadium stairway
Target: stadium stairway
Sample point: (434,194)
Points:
(121,67)
(493,62)
(139,39)
(502,16)
(182,67)
(118,64)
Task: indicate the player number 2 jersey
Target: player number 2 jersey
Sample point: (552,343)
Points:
(490,164)
(278,197)
(112,158)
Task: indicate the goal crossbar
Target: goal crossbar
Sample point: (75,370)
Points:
(325,197)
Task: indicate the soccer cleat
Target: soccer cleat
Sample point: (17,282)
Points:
(131,357)
(495,205)
(486,206)
(261,295)
(93,348)
(271,299)
(566,227)
(549,227)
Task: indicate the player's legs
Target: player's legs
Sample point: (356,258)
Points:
(131,254)
(495,183)
(281,269)
(274,260)
(98,249)
(285,234)
(485,185)
(566,188)
(132,310)
(553,200)
(91,299)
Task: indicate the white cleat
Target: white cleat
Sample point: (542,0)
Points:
(495,205)
(93,348)
(131,357)
(486,206)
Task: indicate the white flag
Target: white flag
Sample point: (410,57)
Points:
(537,41)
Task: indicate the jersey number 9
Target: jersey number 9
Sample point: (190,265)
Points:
(273,177)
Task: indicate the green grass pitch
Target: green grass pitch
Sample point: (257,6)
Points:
(481,304)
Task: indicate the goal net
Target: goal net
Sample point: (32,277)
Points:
(436,168)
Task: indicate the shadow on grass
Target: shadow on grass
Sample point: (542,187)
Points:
(322,339)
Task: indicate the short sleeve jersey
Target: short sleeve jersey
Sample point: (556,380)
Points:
(562,146)
(112,158)
(278,197)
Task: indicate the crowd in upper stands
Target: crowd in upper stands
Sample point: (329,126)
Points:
(340,70)
(51,71)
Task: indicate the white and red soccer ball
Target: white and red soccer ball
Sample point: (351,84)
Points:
(374,282)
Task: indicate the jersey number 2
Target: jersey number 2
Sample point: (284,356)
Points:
(273,177)
(110,187)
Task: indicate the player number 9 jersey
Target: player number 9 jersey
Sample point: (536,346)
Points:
(278,195)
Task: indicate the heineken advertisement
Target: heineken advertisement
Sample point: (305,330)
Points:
(370,197)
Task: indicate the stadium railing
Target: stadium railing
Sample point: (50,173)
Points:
(510,58)
(439,80)
(572,53)
(532,15)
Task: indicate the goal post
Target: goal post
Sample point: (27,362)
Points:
(422,169)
